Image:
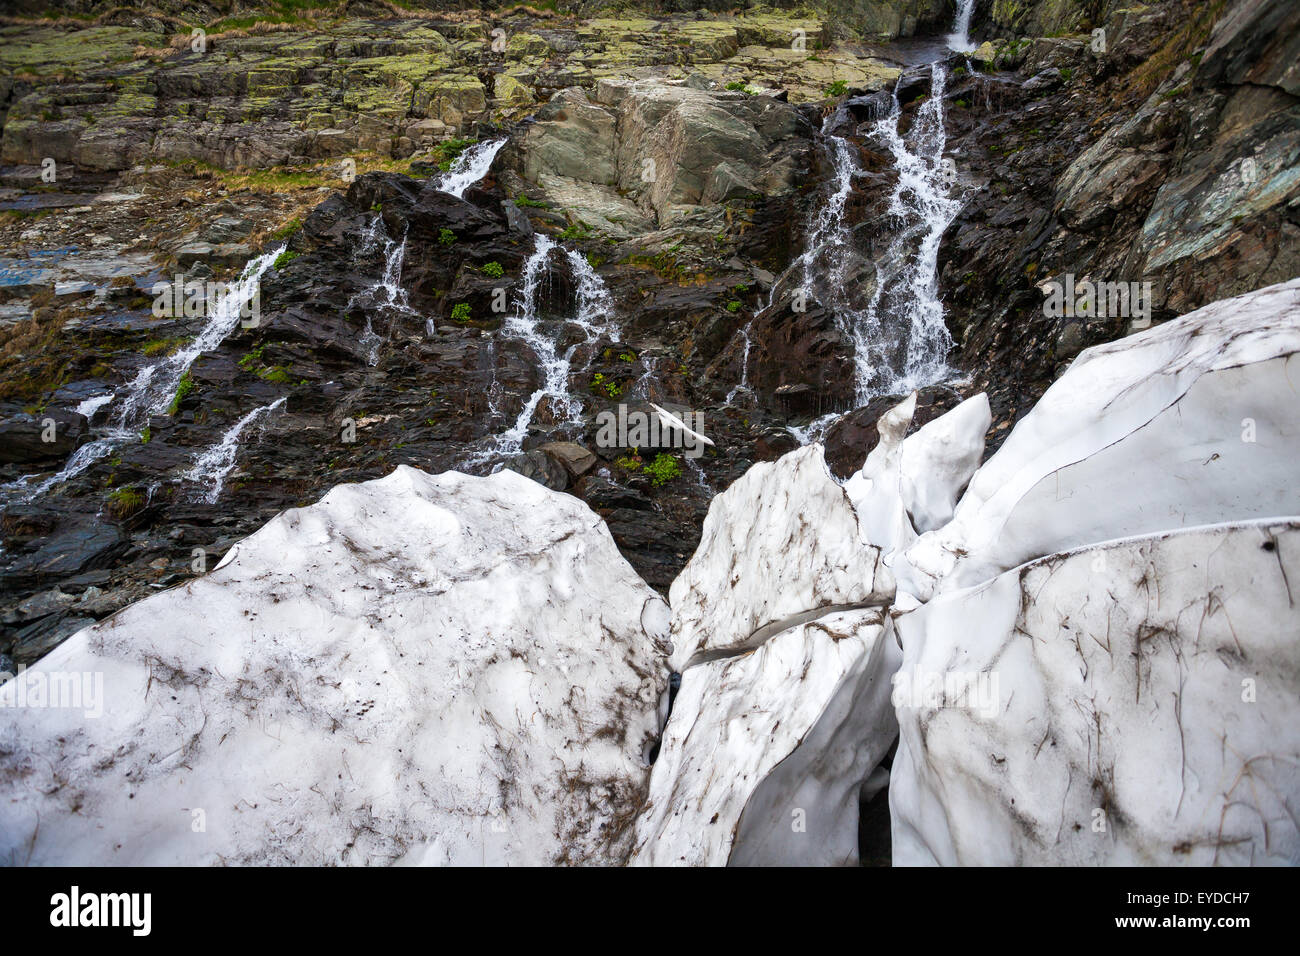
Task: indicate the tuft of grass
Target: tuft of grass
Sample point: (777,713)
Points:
(124,502)
(461,312)
(493,270)
(446,237)
(288,229)
(1182,43)
(183,388)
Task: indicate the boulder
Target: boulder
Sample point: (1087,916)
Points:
(1188,423)
(1131,703)
(422,669)
(780,546)
(45,437)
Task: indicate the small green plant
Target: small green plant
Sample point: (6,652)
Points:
(838,88)
(160,346)
(663,469)
(124,502)
(145,436)
(446,152)
(631,463)
(288,229)
(284,258)
(733,305)
(460,312)
(738,87)
(579,230)
(493,270)
(627,356)
(524,202)
(446,237)
(252,358)
(183,388)
(606,386)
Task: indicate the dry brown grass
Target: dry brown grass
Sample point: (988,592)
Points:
(1197,24)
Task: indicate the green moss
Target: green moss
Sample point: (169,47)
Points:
(183,388)
(284,258)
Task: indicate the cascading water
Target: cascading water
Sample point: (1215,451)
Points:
(828,234)
(94,404)
(901,341)
(154,386)
(743,384)
(212,466)
(387,292)
(595,304)
(469,167)
(593,315)
(959,39)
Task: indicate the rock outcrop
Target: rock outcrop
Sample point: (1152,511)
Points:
(653,152)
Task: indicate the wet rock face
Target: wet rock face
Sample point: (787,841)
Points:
(1182,185)
(29,439)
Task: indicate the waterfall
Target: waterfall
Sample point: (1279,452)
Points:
(387,292)
(901,342)
(154,385)
(593,314)
(595,304)
(469,167)
(212,466)
(743,384)
(828,235)
(959,39)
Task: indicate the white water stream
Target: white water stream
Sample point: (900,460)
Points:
(469,167)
